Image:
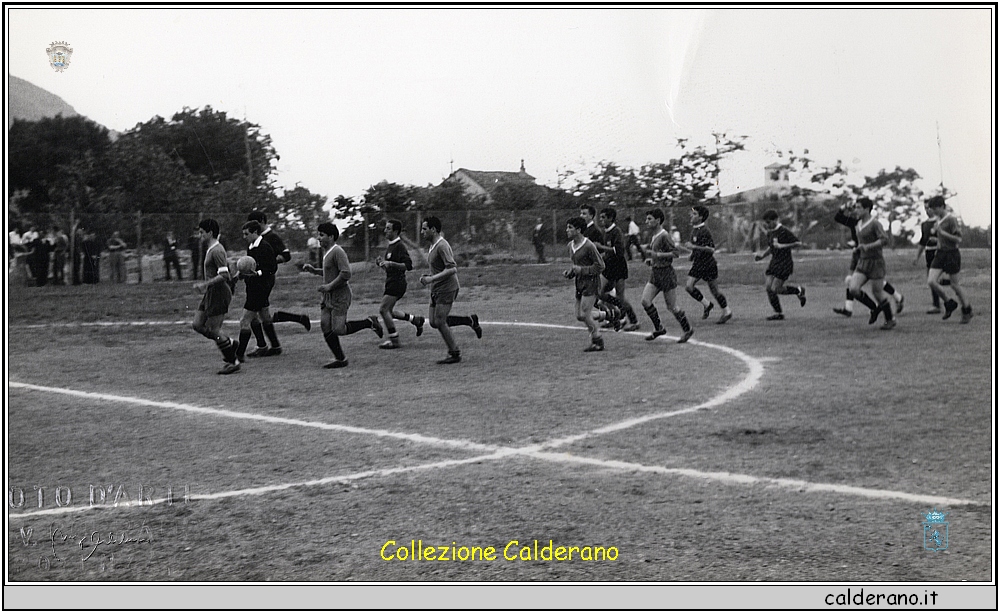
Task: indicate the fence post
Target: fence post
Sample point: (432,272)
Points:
(555,236)
(364,218)
(419,223)
(138,244)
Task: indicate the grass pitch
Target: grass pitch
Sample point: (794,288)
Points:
(822,470)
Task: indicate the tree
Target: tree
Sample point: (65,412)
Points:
(213,146)
(37,150)
(299,211)
(897,199)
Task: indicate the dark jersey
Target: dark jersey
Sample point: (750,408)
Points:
(701,237)
(782,235)
(398,253)
(928,235)
(263,254)
(594,234)
(850,222)
(277,245)
(616,267)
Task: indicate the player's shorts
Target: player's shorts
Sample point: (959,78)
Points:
(216,300)
(395,287)
(337,301)
(949,261)
(873,268)
(782,269)
(587,286)
(929,257)
(663,279)
(855,256)
(706,271)
(445,297)
(257,294)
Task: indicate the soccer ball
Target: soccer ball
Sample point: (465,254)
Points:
(246,265)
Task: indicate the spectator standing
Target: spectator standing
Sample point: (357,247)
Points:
(60,246)
(90,257)
(538,240)
(196,248)
(633,237)
(116,257)
(170,256)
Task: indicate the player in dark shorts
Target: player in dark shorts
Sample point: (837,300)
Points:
(262,328)
(444,289)
(586,273)
(395,264)
(256,307)
(928,247)
(614,252)
(703,265)
(215,303)
(848,216)
(871,263)
(336,291)
(780,242)
(947,259)
(662,278)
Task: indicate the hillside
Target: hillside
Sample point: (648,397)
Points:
(30,102)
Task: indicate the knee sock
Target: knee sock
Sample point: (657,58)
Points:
(936,299)
(358,324)
(889,289)
(653,316)
(272,335)
(721,300)
(282,316)
(682,320)
(697,295)
(244,341)
(772,297)
(258,333)
(792,290)
(886,309)
(865,299)
(849,301)
(227,348)
(459,320)
(333,342)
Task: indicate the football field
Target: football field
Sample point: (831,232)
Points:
(810,449)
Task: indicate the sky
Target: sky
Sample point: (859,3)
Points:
(351,97)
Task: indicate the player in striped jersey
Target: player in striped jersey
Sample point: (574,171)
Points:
(336,291)
(662,278)
(215,303)
(848,215)
(703,265)
(395,264)
(586,272)
(780,242)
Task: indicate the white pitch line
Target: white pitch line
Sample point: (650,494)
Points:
(738,479)
(413,438)
(268,489)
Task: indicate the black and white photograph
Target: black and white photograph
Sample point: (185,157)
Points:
(691,306)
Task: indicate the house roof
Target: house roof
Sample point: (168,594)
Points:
(491,179)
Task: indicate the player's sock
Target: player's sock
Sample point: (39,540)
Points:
(792,290)
(889,289)
(695,293)
(227,348)
(721,299)
(333,342)
(886,309)
(849,301)
(630,313)
(405,317)
(244,341)
(936,299)
(772,297)
(390,328)
(272,334)
(358,324)
(459,320)
(682,320)
(653,316)
(866,300)
(258,333)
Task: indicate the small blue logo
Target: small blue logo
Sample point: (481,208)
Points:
(935,531)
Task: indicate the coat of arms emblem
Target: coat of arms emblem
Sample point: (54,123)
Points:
(935,531)
(59,53)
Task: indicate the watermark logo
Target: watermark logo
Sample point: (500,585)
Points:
(59,53)
(935,531)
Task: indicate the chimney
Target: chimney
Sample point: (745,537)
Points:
(522,167)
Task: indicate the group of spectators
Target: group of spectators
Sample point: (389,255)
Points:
(41,259)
